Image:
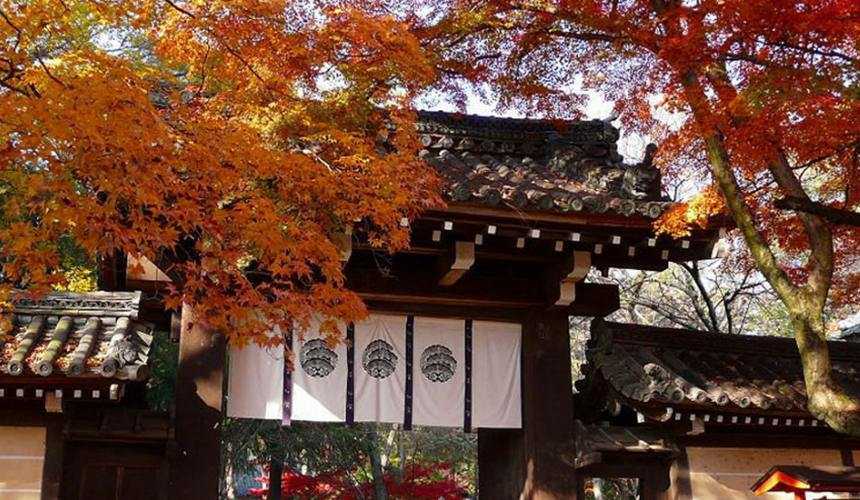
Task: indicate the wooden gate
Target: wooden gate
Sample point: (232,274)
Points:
(116,454)
(120,471)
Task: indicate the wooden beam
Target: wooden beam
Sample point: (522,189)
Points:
(447,311)
(410,281)
(459,260)
(573,218)
(414,279)
(594,300)
(574,269)
(52,470)
(502,244)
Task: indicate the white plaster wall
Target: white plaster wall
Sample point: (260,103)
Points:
(728,473)
(22,454)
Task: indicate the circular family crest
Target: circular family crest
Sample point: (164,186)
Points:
(379,359)
(317,359)
(438,363)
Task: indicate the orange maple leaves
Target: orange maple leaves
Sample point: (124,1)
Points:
(769,79)
(237,137)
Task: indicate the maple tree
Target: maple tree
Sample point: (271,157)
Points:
(232,143)
(758,99)
(419,482)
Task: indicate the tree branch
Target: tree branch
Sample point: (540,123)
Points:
(693,270)
(818,52)
(819,234)
(48,72)
(721,168)
(585,36)
(678,320)
(180,9)
(830,214)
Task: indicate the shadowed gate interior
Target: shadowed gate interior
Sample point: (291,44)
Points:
(114,471)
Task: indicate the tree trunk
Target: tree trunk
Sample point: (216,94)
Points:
(401,455)
(276,476)
(380,492)
(229,480)
(828,401)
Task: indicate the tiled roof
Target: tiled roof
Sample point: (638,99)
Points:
(77,335)
(538,165)
(850,333)
(649,367)
(602,439)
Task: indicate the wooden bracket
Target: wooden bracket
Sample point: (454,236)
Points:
(574,269)
(455,265)
(53,404)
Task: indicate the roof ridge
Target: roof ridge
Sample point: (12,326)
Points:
(422,113)
(632,333)
(99,303)
(501,128)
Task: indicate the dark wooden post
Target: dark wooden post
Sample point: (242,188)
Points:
(197,469)
(112,271)
(52,470)
(528,463)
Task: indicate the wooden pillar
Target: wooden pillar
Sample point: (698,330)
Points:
(112,271)
(197,468)
(52,470)
(650,490)
(528,463)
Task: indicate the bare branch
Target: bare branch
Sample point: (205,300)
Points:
(693,270)
(585,36)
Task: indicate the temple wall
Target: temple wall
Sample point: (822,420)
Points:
(22,454)
(728,473)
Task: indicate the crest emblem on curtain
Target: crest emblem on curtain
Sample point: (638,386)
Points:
(317,359)
(379,359)
(438,363)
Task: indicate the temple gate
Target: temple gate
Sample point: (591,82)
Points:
(533,207)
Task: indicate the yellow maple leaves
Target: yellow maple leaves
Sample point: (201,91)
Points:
(682,217)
